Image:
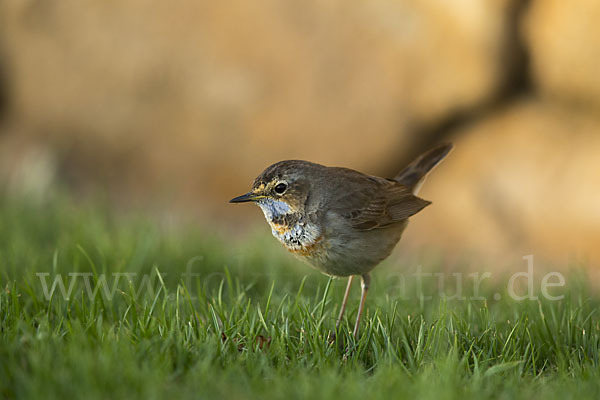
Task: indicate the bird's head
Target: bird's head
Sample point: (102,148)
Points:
(282,188)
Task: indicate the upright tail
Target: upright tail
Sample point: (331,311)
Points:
(415,173)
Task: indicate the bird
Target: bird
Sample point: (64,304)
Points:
(338,220)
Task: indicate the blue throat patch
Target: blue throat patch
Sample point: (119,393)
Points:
(273,208)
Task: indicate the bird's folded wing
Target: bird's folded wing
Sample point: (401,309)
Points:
(380,205)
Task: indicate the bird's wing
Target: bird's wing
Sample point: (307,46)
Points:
(377,203)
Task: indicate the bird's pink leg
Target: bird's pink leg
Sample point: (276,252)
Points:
(348,286)
(366,280)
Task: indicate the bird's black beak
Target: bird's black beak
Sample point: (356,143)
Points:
(250,196)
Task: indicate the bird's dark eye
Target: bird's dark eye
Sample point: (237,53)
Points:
(280,188)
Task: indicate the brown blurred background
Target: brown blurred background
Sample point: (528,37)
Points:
(183,103)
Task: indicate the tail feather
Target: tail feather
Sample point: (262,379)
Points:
(415,173)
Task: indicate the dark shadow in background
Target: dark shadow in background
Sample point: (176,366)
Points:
(515,83)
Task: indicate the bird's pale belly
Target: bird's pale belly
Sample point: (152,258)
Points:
(337,254)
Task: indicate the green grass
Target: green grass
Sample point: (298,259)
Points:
(255,323)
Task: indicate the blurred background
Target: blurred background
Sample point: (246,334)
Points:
(176,106)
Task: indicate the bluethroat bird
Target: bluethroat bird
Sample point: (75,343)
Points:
(341,221)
